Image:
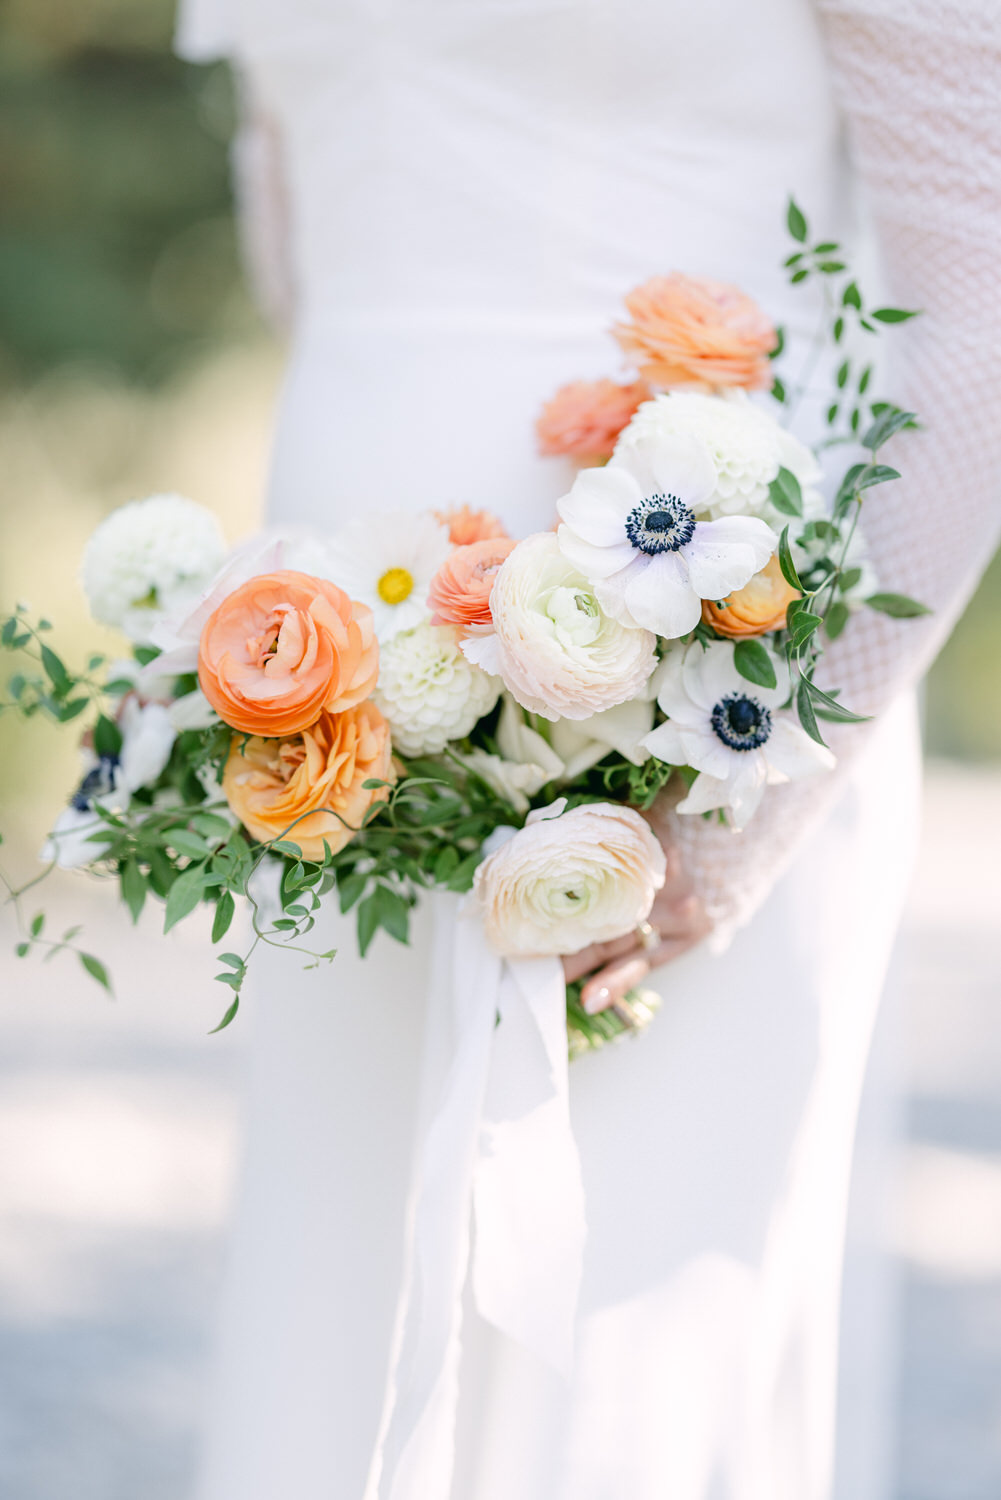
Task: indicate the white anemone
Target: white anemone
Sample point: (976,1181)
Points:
(736,735)
(631,530)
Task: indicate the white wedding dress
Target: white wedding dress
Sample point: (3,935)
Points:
(467,189)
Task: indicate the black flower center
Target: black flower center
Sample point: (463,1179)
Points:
(660,523)
(99,782)
(741,723)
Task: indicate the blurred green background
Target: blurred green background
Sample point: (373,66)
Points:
(131,358)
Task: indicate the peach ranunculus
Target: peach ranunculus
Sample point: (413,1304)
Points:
(685,330)
(282,648)
(755,609)
(466,526)
(584,418)
(317,776)
(460,590)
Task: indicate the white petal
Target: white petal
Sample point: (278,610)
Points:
(706,752)
(483,651)
(747,789)
(665,743)
(709,673)
(660,598)
(791,750)
(724,555)
(682,466)
(592,560)
(705,794)
(597,506)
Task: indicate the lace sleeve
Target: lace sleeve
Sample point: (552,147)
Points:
(918,83)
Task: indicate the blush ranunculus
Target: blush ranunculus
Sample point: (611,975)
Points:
(317,776)
(686,330)
(282,648)
(460,590)
(584,419)
(755,609)
(466,526)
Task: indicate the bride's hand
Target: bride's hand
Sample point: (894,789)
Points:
(678,919)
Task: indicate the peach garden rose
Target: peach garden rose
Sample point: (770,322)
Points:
(317,776)
(584,418)
(687,330)
(283,648)
(460,590)
(760,606)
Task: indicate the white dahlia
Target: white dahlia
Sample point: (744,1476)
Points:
(147,558)
(746,444)
(428,692)
(560,653)
(388,562)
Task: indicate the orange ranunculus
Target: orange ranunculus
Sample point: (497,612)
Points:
(460,590)
(758,607)
(689,331)
(466,526)
(584,418)
(283,647)
(317,776)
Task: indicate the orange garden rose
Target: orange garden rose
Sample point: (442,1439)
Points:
(460,590)
(282,648)
(689,331)
(756,608)
(584,418)
(466,526)
(321,773)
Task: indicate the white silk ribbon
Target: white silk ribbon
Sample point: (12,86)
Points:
(498,1169)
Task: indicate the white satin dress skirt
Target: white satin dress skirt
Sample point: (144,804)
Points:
(472,187)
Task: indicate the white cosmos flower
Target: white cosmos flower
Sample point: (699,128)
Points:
(736,735)
(631,529)
(746,443)
(147,558)
(388,562)
(560,654)
(568,879)
(428,692)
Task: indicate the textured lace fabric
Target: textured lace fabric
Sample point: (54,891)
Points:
(920,86)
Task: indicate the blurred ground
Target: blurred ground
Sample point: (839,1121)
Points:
(118,1122)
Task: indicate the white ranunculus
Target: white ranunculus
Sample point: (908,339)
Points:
(735,734)
(746,443)
(428,692)
(148,558)
(560,653)
(631,529)
(148,736)
(568,879)
(388,562)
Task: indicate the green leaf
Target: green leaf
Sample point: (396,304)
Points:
(897,605)
(851,297)
(780,338)
(37,923)
(849,578)
(394,914)
(462,876)
(893,314)
(839,328)
(827,248)
(107,738)
(832,414)
(231,1012)
(864,378)
(56,672)
(778,390)
(133,887)
(183,841)
(183,896)
(786,563)
(874,474)
(796,222)
(804,708)
(22,950)
(831,267)
(798,276)
(96,970)
(886,424)
(232,961)
(754,663)
(8,632)
(350,888)
(368,921)
(286,846)
(785,493)
(802,626)
(225,909)
(836,619)
(70,710)
(842,376)
(832,709)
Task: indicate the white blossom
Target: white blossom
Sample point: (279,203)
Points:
(428,692)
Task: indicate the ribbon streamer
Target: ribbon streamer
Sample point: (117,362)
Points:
(499,1155)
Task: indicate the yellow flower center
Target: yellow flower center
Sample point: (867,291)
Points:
(395,585)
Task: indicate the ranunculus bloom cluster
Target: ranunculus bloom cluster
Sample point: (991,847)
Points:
(685,330)
(317,777)
(281,649)
(466,526)
(565,881)
(584,418)
(559,653)
(760,606)
(460,591)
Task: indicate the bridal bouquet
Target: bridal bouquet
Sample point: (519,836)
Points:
(422,700)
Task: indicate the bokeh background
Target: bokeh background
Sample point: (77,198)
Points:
(131,361)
